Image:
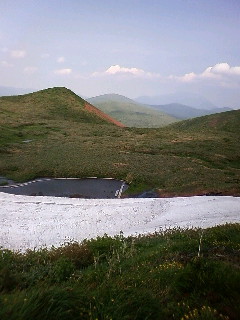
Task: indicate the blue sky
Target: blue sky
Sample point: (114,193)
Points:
(129,47)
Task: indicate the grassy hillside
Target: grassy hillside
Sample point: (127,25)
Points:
(50,134)
(170,275)
(54,104)
(131,113)
(220,122)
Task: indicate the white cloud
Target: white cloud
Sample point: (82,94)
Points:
(119,70)
(63,71)
(189,77)
(219,72)
(6,64)
(225,69)
(60,59)
(18,54)
(235,70)
(220,68)
(207,73)
(30,70)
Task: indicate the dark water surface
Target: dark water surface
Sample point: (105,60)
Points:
(92,188)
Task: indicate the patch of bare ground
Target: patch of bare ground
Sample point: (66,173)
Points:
(120,164)
(182,139)
(213,123)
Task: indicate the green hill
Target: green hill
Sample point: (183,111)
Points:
(131,113)
(228,121)
(51,133)
(49,104)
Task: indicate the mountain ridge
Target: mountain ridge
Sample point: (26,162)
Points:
(185,98)
(177,110)
(131,113)
(183,112)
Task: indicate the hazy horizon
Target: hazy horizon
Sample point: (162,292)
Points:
(133,48)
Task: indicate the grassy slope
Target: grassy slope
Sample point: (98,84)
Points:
(131,113)
(190,157)
(160,276)
(51,104)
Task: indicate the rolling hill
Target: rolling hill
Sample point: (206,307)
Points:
(131,113)
(52,104)
(52,133)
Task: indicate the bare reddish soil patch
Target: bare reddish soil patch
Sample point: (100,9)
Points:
(213,123)
(102,115)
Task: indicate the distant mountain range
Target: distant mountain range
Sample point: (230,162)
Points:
(131,113)
(184,112)
(185,98)
(145,111)
(11,91)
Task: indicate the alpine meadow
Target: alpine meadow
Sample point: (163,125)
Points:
(51,133)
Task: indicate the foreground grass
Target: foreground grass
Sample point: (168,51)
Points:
(191,274)
(49,134)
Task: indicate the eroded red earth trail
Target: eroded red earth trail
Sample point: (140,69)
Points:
(102,115)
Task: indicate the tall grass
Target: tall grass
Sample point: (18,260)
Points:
(157,276)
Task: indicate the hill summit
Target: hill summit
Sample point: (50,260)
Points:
(57,103)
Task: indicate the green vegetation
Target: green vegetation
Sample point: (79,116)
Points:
(50,134)
(166,275)
(131,113)
(191,274)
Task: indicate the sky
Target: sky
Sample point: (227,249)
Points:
(129,47)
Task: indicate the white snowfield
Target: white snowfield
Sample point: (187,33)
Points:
(28,222)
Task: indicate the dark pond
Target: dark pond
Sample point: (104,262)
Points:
(92,188)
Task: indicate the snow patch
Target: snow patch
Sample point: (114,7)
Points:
(35,222)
